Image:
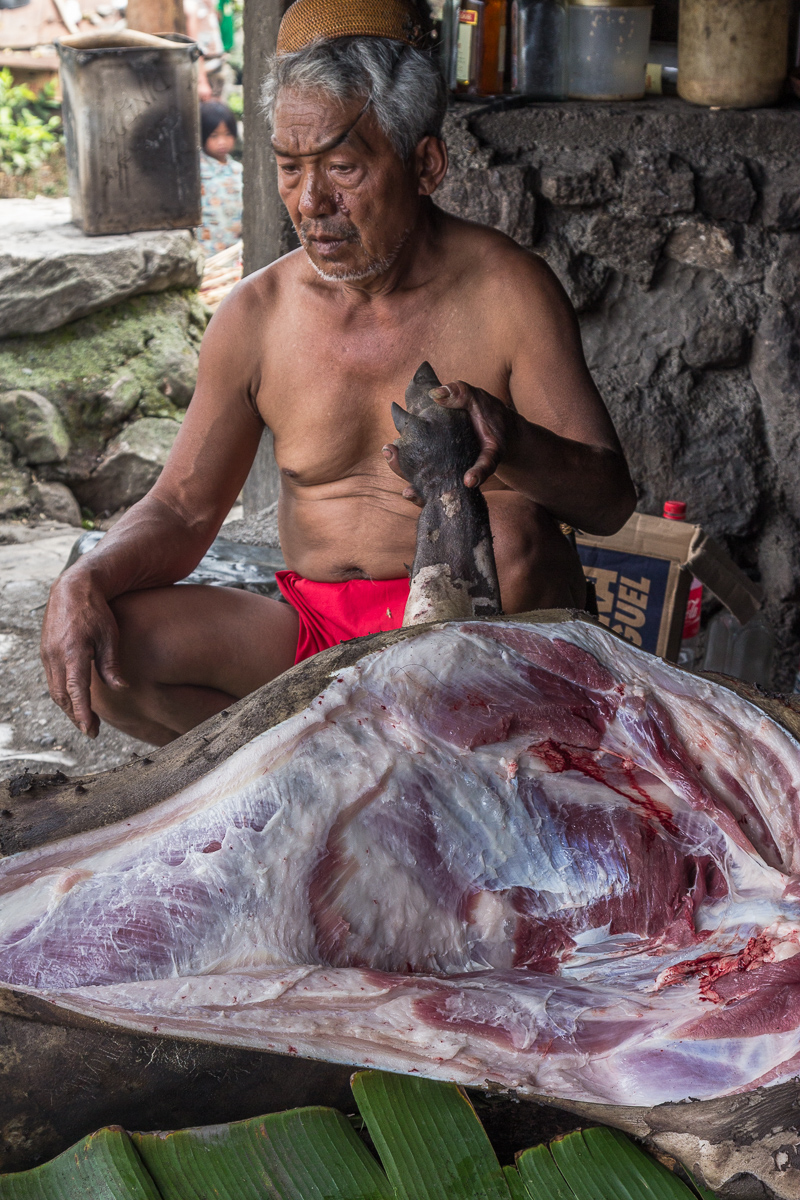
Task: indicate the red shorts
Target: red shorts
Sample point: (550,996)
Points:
(335,612)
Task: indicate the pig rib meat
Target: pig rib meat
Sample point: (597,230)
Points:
(500,851)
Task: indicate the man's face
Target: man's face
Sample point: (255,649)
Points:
(352,199)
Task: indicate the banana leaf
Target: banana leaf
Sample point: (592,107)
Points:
(305,1154)
(431,1145)
(103,1166)
(597,1164)
(516,1187)
(429,1138)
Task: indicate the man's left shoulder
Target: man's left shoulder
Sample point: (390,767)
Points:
(497,261)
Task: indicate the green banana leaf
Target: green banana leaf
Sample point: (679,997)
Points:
(103,1166)
(430,1142)
(597,1164)
(516,1187)
(305,1154)
(541,1176)
(429,1138)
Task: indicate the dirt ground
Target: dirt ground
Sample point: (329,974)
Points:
(34,734)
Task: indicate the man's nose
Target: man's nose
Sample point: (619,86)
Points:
(317,198)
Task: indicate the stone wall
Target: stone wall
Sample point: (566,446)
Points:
(99,341)
(90,410)
(676,232)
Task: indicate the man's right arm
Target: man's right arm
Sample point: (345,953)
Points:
(162,538)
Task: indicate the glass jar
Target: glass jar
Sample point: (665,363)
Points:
(608,46)
(732,53)
(481,47)
(539,48)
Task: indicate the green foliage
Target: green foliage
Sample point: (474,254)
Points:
(429,1139)
(30,125)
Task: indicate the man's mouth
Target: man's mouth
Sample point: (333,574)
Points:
(327,247)
(327,242)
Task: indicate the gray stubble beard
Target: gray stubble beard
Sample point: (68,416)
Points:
(373,268)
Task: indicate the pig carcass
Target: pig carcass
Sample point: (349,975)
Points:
(515,853)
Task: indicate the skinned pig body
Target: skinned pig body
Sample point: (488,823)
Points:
(498,851)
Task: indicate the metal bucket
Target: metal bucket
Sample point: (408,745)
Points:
(132,128)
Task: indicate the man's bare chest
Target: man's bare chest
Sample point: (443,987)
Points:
(327,386)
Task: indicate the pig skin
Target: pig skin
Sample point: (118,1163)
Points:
(510,853)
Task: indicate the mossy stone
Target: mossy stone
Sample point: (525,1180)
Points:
(34,426)
(14,484)
(137,358)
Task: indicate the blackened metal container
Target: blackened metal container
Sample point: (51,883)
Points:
(132,130)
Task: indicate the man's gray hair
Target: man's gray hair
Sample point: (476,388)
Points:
(403,86)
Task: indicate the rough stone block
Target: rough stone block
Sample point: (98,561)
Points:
(577,185)
(726,194)
(52,273)
(582,276)
(775,369)
(56,501)
(496,196)
(779,567)
(103,369)
(701,245)
(133,462)
(781,208)
(117,401)
(691,314)
(630,246)
(14,484)
(721,447)
(658,186)
(782,280)
(34,427)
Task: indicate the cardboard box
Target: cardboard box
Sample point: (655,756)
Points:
(642,576)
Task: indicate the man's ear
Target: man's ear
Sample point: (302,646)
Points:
(431,163)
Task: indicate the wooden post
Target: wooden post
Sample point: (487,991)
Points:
(262,219)
(265,227)
(156,16)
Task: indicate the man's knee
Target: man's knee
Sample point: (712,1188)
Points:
(140,633)
(537,565)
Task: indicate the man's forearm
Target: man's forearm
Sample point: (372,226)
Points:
(586,486)
(152,545)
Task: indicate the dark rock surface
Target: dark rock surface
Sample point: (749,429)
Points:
(676,233)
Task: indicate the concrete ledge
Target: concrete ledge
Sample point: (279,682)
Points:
(52,273)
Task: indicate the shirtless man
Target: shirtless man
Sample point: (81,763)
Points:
(316,346)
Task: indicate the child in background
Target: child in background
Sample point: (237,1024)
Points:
(221,179)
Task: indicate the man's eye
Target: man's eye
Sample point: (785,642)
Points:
(343,168)
(288,169)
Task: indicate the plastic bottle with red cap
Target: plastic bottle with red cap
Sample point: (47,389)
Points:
(675,510)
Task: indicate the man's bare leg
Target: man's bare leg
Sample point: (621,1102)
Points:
(536,565)
(188,652)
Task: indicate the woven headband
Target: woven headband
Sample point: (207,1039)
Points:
(308,21)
